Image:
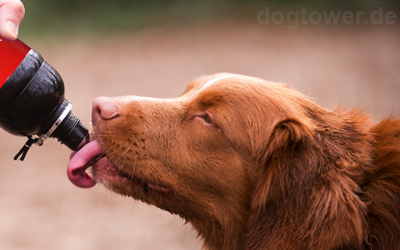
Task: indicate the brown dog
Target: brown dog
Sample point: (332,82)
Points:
(252,165)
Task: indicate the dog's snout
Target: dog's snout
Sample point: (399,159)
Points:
(104,109)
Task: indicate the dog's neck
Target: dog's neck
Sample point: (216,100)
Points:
(221,223)
(226,234)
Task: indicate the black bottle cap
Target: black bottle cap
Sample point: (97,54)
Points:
(71,132)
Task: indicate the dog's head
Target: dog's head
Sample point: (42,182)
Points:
(229,146)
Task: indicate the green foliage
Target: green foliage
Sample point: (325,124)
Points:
(48,17)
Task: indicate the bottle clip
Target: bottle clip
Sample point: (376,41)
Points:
(39,141)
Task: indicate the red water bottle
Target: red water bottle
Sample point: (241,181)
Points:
(32,99)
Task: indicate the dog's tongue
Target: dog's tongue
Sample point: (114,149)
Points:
(80,161)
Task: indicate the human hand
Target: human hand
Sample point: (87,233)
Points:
(11,14)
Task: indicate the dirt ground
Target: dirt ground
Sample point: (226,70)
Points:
(40,209)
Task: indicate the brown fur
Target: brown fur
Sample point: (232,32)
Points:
(273,170)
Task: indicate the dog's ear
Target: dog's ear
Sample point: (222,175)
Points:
(303,188)
(287,157)
(286,135)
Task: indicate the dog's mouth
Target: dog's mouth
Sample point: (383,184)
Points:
(93,155)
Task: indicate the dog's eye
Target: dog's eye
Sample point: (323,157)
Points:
(207,119)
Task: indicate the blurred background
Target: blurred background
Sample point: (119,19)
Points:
(154,48)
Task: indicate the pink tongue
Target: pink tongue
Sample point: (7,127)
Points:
(79,163)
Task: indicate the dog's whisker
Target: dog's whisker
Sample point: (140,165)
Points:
(184,236)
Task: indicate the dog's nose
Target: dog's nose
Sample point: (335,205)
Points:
(104,108)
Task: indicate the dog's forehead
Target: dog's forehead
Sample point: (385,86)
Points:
(219,78)
(216,79)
